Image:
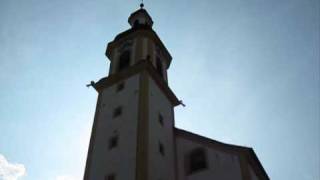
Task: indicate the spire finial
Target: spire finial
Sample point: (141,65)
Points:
(141,4)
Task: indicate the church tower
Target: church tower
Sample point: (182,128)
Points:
(133,132)
(133,135)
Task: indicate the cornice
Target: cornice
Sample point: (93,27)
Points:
(143,65)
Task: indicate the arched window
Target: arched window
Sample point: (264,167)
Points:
(124,60)
(196,161)
(136,23)
(159,67)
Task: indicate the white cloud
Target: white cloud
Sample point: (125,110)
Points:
(65,178)
(10,171)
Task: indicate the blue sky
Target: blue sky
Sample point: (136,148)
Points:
(248,72)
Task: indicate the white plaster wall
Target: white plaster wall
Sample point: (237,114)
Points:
(221,165)
(134,50)
(161,167)
(122,159)
(113,63)
(157,53)
(253,174)
(144,47)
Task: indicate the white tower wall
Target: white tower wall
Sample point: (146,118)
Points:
(121,160)
(161,167)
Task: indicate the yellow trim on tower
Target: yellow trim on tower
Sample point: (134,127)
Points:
(143,129)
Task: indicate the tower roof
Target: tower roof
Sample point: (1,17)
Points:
(140,17)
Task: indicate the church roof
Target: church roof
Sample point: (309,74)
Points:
(248,152)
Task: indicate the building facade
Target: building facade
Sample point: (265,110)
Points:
(134,136)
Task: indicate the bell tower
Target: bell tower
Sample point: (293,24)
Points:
(133,131)
(137,44)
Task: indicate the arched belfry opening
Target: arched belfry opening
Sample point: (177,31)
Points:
(159,67)
(124,60)
(136,23)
